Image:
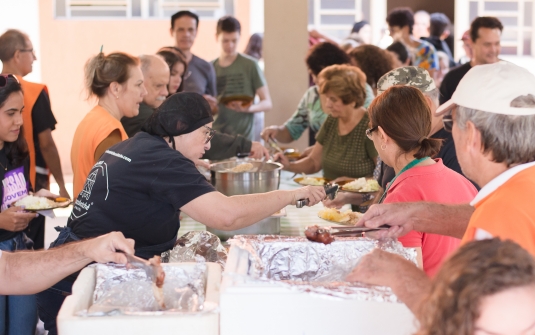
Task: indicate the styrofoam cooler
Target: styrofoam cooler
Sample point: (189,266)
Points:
(264,308)
(82,296)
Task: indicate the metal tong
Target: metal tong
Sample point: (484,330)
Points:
(352,230)
(330,190)
(143,264)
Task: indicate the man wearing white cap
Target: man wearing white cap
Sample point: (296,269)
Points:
(492,118)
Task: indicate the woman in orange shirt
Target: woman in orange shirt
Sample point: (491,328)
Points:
(116,81)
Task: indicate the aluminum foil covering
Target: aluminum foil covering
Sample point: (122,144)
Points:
(197,243)
(317,268)
(128,291)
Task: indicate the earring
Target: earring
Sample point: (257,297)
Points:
(383,146)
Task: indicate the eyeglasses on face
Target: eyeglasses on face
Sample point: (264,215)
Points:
(27,50)
(4,79)
(369,132)
(210,134)
(447,120)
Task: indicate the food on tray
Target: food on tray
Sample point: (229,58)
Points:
(312,181)
(157,285)
(33,202)
(244,167)
(245,100)
(319,234)
(335,215)
(362,185)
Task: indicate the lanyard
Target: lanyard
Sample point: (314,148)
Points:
(413,163)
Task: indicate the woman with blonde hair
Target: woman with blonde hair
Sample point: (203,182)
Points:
(342,149)
(116,81)
(486,287)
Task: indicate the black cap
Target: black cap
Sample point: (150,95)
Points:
(179,114)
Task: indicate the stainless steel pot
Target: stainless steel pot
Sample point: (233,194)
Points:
(231,183)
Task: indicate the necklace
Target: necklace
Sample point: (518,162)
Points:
(5,167)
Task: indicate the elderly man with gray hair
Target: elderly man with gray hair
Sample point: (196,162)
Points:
(156,77)
(492,119)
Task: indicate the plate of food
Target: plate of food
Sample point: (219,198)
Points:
(244,99)
(311,181)
(361,185)
(334,215)
(34,203)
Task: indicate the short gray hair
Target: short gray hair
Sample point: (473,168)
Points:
(509,138)
(433,95)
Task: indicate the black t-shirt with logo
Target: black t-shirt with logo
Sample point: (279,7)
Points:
(137,187)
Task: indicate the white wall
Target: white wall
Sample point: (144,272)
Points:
(23,15)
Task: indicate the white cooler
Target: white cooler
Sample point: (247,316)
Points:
(206,323)
(250,306)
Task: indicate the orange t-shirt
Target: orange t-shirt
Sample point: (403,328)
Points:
(508,212)
(96,126)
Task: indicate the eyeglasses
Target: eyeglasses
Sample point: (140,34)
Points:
(4,79)
(369,132)
(27,50)
(210,134)
(448,122)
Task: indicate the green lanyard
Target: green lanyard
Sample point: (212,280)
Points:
(410,165)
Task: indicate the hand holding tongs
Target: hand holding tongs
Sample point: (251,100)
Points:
(330,190)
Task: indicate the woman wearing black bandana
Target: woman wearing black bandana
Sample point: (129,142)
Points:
(139,187)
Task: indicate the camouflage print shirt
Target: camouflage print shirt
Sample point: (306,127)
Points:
(310,114)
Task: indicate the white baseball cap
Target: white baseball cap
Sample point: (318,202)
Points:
(499,88)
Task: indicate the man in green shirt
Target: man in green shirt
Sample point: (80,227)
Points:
(238,77)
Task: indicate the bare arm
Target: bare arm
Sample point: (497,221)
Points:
(239,211)
(308,165)
(29,272)
(280,133)
(408,282)
(425,217)
(111,140)
(264,104)
(51,157)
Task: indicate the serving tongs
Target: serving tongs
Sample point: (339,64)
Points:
(352,230)
(275,145)
(330,190)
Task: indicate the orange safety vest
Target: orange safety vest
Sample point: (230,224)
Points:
(31,92)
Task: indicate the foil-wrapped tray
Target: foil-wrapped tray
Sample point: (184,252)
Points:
(299,264)
(119,290)
(194,244)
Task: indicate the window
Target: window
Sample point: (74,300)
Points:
(336,17)
(83,9)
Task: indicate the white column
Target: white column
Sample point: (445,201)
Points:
(285,49)
(24,16)
(256,14)
(377,18)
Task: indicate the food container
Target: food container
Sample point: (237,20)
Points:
(287,285)
(69,323)
(231,183)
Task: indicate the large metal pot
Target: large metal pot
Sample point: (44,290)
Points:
(231,183)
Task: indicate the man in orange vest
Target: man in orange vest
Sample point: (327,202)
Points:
(17,56)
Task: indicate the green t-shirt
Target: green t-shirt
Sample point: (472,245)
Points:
(349,155)
(309,112)
(242,77)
